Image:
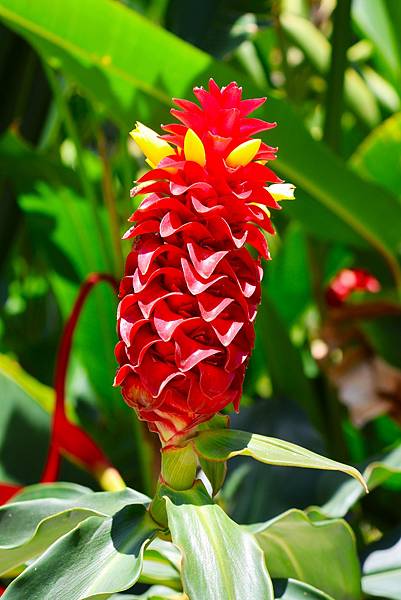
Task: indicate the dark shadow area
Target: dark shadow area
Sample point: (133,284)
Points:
(25,441)
(274,489)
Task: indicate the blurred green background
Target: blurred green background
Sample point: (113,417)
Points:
(74,78)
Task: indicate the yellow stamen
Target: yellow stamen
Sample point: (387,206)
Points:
(109,479)
(193,148)
(243,154)
(282,191)
(153,147)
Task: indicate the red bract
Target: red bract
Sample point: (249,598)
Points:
(348,281)
(191,287)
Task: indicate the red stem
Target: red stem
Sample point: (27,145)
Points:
(51,469)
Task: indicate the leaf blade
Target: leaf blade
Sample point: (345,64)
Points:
(30,526)
(293,545)
(220,560)
(100,556)
(225,444)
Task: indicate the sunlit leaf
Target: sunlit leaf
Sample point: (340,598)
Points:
(291,589)
(225,444)
(29,526)
(294,546)
(380,21)
(382,570)
(377,158)
(103,555)
(317,49)
(220,559)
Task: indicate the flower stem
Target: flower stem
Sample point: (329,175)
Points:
(179,467)
(335,87)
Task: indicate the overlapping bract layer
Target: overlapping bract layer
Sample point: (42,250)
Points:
(191,287)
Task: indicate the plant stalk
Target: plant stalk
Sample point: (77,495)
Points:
(335,87)
(110,203)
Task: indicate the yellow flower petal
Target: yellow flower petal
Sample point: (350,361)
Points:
(153,147)
(243,154)
(193,148)
(282,191)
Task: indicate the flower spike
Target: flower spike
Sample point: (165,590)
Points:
(191,288)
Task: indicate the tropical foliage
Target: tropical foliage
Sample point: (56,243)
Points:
(273,514)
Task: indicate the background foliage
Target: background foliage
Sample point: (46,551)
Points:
(75,77)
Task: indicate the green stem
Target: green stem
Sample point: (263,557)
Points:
(110,203)
(179,466)
(86,183)
(335,87)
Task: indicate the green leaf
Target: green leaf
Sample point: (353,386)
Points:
(220,559)
(317,49)
(215,472)
(383,335)
(289,280)
(197,495)
(380,21)
(225,444)
(382,89)
(30,526)
(61,490)
(162,565)
(101,556)
(61,223)
(131,88)
(156,592)
(22,166)
(40,393)
(368,159)
(157,569)
(24,425)
(322,554)
(291,589)
(382,572)
(375,474)
(274,343)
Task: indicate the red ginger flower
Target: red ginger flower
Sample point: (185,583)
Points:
(191,287)
(348,281)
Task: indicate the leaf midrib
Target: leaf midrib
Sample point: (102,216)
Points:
(84,54)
